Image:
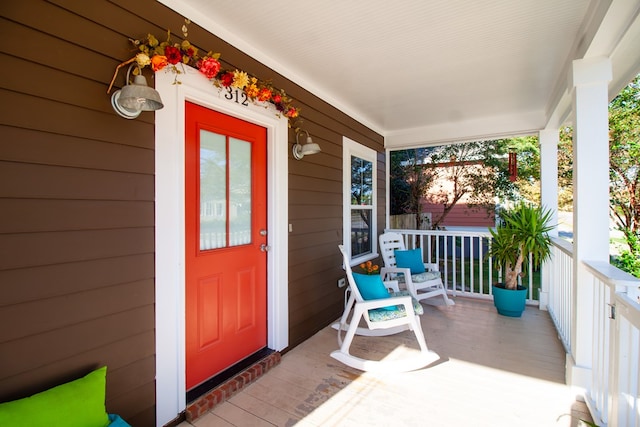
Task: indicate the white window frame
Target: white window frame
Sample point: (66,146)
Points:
(352,148)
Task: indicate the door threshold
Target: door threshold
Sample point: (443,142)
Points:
(222,386)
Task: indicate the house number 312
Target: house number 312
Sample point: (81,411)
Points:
(237,96)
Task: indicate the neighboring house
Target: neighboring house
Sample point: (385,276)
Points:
(460,215)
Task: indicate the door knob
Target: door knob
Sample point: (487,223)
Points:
(265,248)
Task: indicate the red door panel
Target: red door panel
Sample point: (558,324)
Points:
(225,268)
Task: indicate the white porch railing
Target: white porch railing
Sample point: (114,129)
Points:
(613,395)
(461,257)
(560,290)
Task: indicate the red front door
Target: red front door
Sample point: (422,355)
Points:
(225,220)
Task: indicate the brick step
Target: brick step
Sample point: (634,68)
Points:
(225,390)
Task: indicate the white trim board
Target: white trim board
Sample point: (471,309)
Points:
(169,213)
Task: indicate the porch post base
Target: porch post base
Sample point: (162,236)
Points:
(578,377)
(543,299)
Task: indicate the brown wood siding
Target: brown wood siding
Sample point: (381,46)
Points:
(77,208)
(77,201)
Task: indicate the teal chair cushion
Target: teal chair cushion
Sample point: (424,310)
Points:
(397,311)
(425,277)
(371,287)
(411,259)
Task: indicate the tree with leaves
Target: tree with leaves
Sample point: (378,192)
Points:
(624,165)
(528,183)
(410,181)
(476,171)
(624,157)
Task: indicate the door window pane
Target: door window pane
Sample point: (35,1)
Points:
(239,192)
(213,190)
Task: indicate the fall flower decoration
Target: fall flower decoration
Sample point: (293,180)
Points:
(158,62)
(209,67)
(159,55)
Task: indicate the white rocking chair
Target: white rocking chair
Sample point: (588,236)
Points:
(422,285)
(381,319)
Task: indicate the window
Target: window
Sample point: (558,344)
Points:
(359,201)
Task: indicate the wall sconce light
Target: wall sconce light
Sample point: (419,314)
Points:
(310,147)
(135,97)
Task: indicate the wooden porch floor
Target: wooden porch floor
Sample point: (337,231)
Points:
(492,371)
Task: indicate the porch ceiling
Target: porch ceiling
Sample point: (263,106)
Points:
(430,71)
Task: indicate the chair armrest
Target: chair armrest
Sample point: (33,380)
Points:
(431,266)
(372,304)
(393,284)
(397,270)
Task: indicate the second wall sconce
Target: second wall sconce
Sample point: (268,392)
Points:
(301,150)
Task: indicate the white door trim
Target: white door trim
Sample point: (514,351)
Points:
(169,213)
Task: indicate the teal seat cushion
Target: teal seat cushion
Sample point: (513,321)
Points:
(117,421)
(425,277)
(378,315)
(79,403)
(411,259)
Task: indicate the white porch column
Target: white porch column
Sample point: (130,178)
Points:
(590,79)
(549,139)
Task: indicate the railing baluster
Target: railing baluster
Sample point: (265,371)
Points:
(446,264)
(455,265)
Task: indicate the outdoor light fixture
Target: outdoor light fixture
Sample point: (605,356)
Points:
(310,147)
(135,97)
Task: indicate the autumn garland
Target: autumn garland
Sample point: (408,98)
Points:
(166,54)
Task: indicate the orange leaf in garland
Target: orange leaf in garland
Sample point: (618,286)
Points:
(252,89)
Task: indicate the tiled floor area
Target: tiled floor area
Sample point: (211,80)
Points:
(493,371)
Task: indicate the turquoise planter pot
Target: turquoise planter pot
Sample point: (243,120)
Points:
(509,302)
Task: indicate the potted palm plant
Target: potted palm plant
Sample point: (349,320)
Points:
(522,231)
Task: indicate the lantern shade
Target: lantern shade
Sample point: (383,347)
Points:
(134,97)
(138,96)
(123,112)
(301,150)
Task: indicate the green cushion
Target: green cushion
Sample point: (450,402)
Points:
(411,259)
(78,403)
